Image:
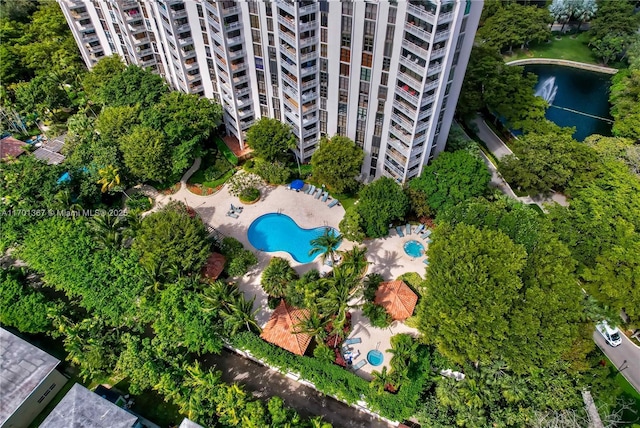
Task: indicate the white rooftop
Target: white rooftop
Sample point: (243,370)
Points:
(22,368)
(86,409)
(186,423)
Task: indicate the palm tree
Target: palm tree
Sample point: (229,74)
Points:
(355,261)
(381,379)
(153,277)
(317,422)
(341,288)
(109,178)
(64,201)
(107,230)
(219,295)
(277,276)
(241,314)
(326,245)
(314,325)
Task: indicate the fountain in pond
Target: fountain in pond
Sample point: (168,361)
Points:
(547,89)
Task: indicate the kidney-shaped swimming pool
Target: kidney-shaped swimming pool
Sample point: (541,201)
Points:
(279,232)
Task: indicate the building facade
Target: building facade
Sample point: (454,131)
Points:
(386,74)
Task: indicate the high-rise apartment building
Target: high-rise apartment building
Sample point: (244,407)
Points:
(386,74)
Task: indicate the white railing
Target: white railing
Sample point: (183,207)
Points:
(418,31)
(421,12)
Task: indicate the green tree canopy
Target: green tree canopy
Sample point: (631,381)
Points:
(187,122)
(613,20)
(515,24)
(276,276)
(337,162)
(113,123)
(616,148)
(270,139)
(146,153)
(42,95)
(625,100)
(106,69)
(451,178)
(132,86)
(381,203)
(170,237)
(543,163)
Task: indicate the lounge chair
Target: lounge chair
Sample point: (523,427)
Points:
(232,214)
(352,341)
(399,230)
(333,203)
(429,241)
(360,364)
(427,233)
(317,196)
(426,262)
(418,229)
(325,196)
(407,229)
(236,209)
(310,190)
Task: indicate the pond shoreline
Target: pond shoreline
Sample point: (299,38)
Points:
(565,63)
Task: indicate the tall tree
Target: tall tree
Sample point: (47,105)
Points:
(276,276)
(337,162)
(451,178)
(270,139)
(514,25)
(326,245)
(381,203)
(625,100)
(146,154)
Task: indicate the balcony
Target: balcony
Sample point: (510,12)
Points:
(289,52)
(291,115)
(287,22)
(291,68)
(289,38)
(405,108)
(85,26)
(307,26)
(132,15)
(238,67)
(414,162)
(308,41)
(148,62)
(134,29)
(304,10)
(308,120)
(445,17)
(211,19)
(185,41)
(438,53)
(405,93)
(409,80)
(309,132)
(245,112)
(305,71)
(396,155)
(219,50)
(287,6)
(141,40)
(396,172)
(289,80)
(412,47)
(192,77)
(229,10)
(402,135)
(246,124)
(427,100)
(243,91)
(80,15)
(236,54)
(186,54)
(398,145)
(433,69)
(231,41)
(142,52)
(233,26)
(421,12)
(442,35)
(309,95)
(308,56)
(90,38)
(417,31)
(290,91)
(177,14)
(408,126)
(310,84)
(240,79)
(309,108)
(413,65)
(216,36)
(195,88)
(431,84)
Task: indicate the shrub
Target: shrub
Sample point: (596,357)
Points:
(272,172)
(249,194)
(218,169)
(240,260)
(324,353)
(139,203)
(242,181)
(377,315)
(371,284)
(276,276)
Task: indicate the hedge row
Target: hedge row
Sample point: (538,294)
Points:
(333,380)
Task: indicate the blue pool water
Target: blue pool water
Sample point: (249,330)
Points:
(278,232)
(375,357)
(414,249)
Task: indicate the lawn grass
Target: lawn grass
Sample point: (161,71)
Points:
(226,151)
(567,47)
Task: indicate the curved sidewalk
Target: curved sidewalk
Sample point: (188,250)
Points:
(565,63)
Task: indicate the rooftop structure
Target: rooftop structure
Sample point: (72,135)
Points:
(280,328)
(397,299)
(385,74)
(11,148)
(49,152)
(83,408)
(28,380)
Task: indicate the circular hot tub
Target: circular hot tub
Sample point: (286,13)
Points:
(414,249)
(375,357)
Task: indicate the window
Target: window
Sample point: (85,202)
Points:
(346,24)
(269,24)
(382,92)
(344,69)
(255,35)
(391,19)
(347,8)
(263,99)
(367,43)
(345,55)
(365,74)
(364,88)
(386,63)
(346,40)
(384,79)
(344,83)
(367,59)
(324,34)
(369,28)
(255,22)
(370,11)
(257,49)
(253,7)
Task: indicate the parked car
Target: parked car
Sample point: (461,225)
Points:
(611,334)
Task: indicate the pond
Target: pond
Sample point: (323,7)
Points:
(577,98)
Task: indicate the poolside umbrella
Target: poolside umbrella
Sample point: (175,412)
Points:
(297,184)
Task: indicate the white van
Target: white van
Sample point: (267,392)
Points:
(611,335)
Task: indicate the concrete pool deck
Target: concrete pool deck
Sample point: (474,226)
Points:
(386,256)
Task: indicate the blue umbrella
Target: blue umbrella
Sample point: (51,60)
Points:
(297,184)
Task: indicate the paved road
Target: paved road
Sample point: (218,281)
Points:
(486,134)
(265,383)
(628,352)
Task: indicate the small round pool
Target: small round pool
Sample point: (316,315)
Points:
(375,357)
(279,232)
(414,249)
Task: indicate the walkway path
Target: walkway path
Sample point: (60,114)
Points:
(265,383)
(493,142)
(565,63)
